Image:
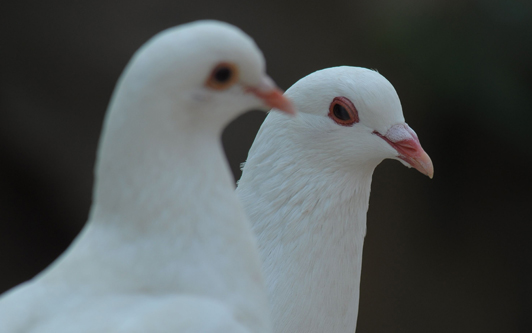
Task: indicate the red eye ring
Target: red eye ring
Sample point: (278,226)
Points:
(343,111)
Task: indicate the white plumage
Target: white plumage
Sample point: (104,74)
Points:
(306,186)
(167,247)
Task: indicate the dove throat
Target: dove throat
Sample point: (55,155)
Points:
(310,226)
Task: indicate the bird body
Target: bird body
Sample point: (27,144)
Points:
(306,185)
(167,247)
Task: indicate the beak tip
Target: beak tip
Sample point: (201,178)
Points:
(421,163)
(404,140)
(426,166)
(272,97)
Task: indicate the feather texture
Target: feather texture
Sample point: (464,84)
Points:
(167,247)
(305,186)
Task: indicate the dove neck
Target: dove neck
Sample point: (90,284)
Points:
(165,215)
(311,235)
(310,221)
(153,168)
(298,201)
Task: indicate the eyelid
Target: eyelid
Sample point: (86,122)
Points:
(213,83)
(349,106)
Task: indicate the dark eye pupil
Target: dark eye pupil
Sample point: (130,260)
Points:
(340,112)
(222,74)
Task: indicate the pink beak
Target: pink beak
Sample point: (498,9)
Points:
(272,96)
(405,141)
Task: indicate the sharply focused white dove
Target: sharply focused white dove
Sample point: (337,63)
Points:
(167,247)
(306,185)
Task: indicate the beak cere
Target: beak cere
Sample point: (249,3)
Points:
(403,139)
(272,96)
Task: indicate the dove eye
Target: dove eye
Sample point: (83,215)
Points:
(343,111)
(223,76)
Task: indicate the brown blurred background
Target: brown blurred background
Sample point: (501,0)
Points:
(451,254)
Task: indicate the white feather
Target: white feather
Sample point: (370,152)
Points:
(306,187)
(167,247)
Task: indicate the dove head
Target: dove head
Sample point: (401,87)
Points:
(353,116)
(205,72)
(173,100)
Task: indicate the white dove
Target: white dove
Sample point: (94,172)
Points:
(306,185)
(167,246)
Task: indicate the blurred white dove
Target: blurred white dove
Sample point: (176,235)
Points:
(306,185)
(167,247)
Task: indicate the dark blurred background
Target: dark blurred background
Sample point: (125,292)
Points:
(451,254)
